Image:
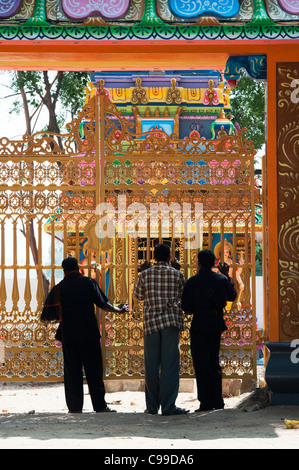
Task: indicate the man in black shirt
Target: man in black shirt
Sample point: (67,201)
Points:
(81,345)
(205,295)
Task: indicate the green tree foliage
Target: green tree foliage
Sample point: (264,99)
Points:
(248,108)
(259,259)
(62,93)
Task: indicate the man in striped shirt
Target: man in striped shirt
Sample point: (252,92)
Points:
(160,287)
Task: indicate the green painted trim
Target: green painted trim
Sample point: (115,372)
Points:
(38,29)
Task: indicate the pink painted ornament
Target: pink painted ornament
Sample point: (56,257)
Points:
(81,9)
(291,6)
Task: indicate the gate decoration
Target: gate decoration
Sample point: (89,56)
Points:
(51,193)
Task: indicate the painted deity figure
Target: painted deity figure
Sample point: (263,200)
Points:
(94,267)
(227,258)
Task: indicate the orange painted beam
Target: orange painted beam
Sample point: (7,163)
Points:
(138,55)
(109,61)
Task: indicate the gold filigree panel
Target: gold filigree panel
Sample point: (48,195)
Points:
(47,173)
(177,171)
(41,144)
(120,141)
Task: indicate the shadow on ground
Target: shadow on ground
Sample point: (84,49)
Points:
(48,425)
(207,426)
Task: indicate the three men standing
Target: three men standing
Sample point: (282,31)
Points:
(165,294)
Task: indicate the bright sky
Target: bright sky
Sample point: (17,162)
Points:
(12,126)
(9,126)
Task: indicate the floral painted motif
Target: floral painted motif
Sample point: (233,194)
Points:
(291,6)
(9,8)
(80,9)
(192,8)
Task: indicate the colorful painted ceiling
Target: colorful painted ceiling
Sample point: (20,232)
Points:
(149,19)
(182,102)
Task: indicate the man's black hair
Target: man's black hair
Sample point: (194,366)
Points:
(162,252)
(206,258)
(70,264)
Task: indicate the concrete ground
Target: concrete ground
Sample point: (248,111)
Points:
(35,416)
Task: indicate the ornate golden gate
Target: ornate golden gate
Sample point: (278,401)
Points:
(51,188)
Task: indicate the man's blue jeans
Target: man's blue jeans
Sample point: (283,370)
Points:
(162,369)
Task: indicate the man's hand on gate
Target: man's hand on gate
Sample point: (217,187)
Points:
(144,266)
(175,264)
(223,268)
(123,308)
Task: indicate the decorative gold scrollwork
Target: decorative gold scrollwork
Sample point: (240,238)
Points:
(288,177)
(173,95)
(139,95)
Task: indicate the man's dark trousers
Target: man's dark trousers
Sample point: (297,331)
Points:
(89,355)
(205,346)
(162,369)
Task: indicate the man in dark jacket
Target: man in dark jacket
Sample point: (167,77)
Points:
(80,335)
(205,296)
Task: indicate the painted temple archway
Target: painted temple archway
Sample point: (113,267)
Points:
(160,36)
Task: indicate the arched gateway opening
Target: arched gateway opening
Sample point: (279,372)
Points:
(151,158)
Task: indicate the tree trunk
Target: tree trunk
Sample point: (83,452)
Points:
(25,104)
(51,103)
